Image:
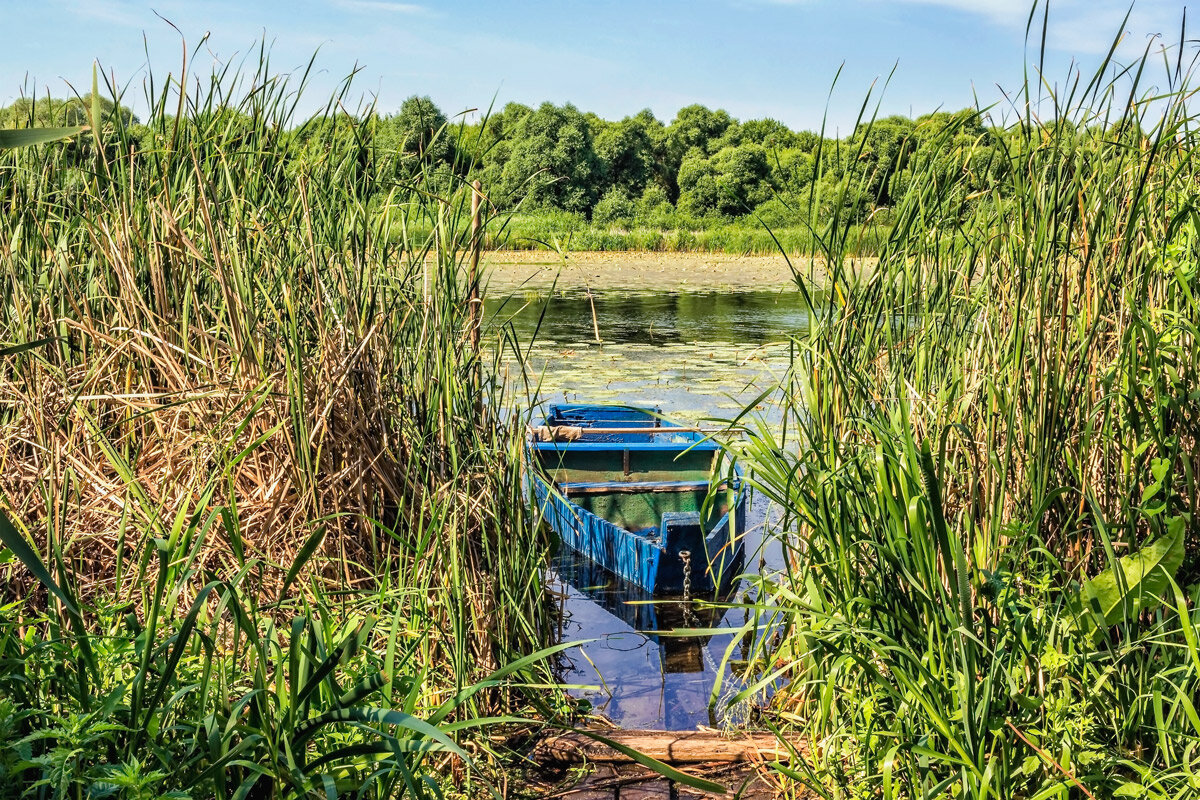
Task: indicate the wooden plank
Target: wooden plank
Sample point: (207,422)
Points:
(587,429)
(634,487)
(670,747)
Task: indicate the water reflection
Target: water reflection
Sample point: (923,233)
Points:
(641,678)
(697,355)
(660,318)
(643,612)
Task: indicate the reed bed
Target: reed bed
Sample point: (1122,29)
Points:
(988,466)
(263,531)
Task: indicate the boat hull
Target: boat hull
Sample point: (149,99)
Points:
(641,505)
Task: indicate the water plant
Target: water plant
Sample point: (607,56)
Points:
(987,462)
(263,535)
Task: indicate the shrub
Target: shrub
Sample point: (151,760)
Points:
(614,208)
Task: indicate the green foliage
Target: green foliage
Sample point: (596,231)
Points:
(731,182)
(791,169)
(552,161)
(986,465)
(631,153)
(615,208)
(415,140)
(294,564)
(30,112)
(559,159)
(1135,583)
(881,149)
(697,127)
(770,134)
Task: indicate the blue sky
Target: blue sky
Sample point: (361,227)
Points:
(755,58)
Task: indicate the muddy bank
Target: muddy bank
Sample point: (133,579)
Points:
(643,271)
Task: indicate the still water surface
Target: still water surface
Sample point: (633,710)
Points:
(695,355)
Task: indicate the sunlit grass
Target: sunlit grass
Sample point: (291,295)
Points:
(996,414)
(268,534)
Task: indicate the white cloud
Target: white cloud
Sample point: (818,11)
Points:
(1080,26)
(1005,12)
(382,5)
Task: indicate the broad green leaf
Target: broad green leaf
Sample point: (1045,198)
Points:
(12,539)
(1159,467)
(1143,578)
(27,137)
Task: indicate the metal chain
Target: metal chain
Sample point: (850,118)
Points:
(686,557)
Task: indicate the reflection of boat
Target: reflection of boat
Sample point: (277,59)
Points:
(646,614)
(635,494)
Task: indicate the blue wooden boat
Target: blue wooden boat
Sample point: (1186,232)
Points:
(646,614)
(639,496)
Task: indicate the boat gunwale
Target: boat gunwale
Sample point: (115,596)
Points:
(720,538)
(656,541)
(634,487)
(699,444)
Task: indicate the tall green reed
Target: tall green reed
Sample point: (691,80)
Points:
(268,538)
(987,471)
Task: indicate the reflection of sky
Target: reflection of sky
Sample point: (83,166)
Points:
(639,680)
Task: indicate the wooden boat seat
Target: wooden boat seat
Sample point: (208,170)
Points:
(633,487)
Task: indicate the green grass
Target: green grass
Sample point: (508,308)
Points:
(267,534)
(987,470)
(551,230)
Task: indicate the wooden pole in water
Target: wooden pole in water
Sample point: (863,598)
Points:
(474,302)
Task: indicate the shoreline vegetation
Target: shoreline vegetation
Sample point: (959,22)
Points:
(261,533)
(552,232)
(264,529)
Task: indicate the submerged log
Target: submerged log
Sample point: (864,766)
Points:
(670,747)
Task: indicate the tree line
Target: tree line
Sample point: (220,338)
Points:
(704,165)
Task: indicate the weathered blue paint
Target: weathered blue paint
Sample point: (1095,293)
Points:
(652,558)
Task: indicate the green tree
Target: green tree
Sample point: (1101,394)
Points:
(552,162)
(880,149)
(415,138)
(696,126)
(496,140)
(614,208)
(806,141)
(731,182)
(769,133)
(697,183)
(627,151)
(332,148)
(50,112)
(791,169)
(949,145)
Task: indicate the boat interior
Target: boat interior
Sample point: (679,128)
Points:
(643,482)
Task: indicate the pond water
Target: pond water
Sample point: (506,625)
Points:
(696,355)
